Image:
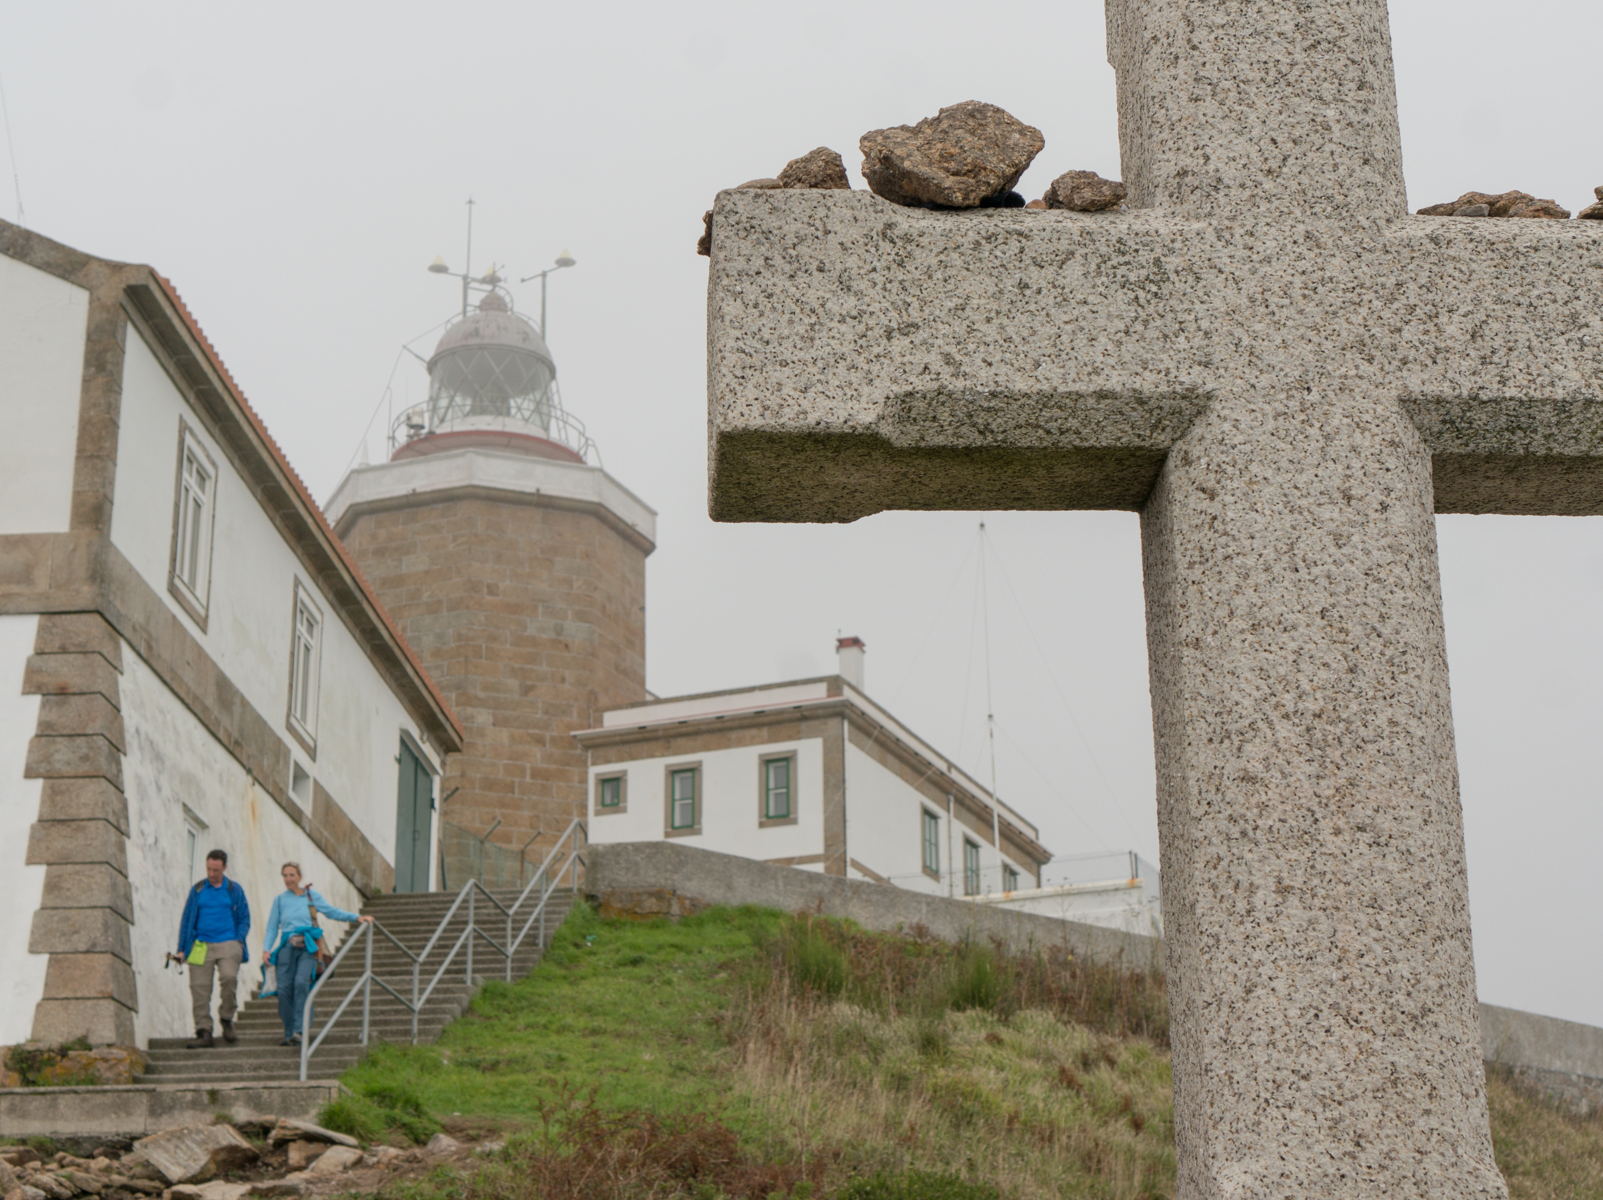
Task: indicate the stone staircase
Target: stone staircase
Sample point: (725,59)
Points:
(411,919)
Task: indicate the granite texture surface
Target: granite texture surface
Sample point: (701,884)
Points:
(1287,376)
(864,356)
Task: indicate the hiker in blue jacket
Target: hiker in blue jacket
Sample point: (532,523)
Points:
(211,938)
(292,939)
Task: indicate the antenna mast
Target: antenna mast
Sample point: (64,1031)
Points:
(990,713)
(467,266)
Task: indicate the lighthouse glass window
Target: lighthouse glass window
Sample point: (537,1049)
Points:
(303,669)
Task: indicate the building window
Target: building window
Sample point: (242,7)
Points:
(305,656)
(193,828)
(932,844)
(1010,878)
(684,799)
(193,510)
(776,790)
(611,794)
(971,868)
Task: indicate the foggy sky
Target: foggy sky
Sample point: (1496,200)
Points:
(293,168)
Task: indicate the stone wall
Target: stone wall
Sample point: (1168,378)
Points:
(531,618)
(672,879)
(1562,1059)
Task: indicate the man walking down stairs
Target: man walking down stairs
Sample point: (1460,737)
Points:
(412,920)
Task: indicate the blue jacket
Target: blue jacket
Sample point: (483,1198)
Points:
(289,908)
(191,917)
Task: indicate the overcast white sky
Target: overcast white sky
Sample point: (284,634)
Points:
(294,167)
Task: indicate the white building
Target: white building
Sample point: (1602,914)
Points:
(1115,890)
(810,774)
(188,658)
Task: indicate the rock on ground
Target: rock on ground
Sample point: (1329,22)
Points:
(443,1143)
(195,1153)
(1084,191)
(334,1160)
(288,1130)
(959,158)
(1503,204)
(820,168)
(303,1154)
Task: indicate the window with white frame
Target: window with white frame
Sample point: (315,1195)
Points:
(971,868)
(305,655)
(932,843)
(195,507)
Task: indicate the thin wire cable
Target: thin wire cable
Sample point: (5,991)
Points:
(388,384)
(968,667)
(1063,699)
(11,146)
(1062,796)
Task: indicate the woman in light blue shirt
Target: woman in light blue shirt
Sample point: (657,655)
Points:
(291,943)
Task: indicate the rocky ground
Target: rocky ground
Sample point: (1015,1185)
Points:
(223,1162)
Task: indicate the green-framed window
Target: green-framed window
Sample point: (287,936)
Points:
(778,788)
(932,843)
(683,786)
(971,868)
(610,792)
(1010,879)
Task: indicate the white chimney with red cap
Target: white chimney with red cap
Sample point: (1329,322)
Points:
(851,651)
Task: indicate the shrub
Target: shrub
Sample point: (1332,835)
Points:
(814,962)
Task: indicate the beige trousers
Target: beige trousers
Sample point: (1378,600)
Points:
(222,960)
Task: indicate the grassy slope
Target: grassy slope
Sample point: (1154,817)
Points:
(689,1017)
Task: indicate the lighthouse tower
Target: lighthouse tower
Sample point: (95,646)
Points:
(515,566)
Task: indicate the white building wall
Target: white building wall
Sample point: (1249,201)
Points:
(172,760)
(43,322)
(22,975)
(250,606)
(730,798)
(884,831)
(1114,905)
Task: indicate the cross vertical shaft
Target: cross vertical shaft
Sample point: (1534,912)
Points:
(1244,104)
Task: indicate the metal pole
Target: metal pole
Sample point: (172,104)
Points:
(471,897)
(508,942)
(543,274)
(367,991)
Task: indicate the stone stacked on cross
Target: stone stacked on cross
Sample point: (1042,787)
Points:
(1286,376)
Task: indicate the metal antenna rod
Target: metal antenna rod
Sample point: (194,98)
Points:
(990,711)
(467,266)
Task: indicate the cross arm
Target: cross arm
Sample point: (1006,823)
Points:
(863,356)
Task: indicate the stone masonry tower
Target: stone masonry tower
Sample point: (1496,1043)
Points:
(516,568)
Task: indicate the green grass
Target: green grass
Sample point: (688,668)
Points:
(634,1008)
(742,1054)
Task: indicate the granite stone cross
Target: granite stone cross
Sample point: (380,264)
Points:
(1286,376)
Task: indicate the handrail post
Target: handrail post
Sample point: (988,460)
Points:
(508,945)
(367,987)
(417,964)
(471,897)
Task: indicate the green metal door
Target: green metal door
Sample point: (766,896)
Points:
(414,810)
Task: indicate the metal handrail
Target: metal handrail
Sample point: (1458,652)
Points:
(367,930)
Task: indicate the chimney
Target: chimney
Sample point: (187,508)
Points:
(851,651)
